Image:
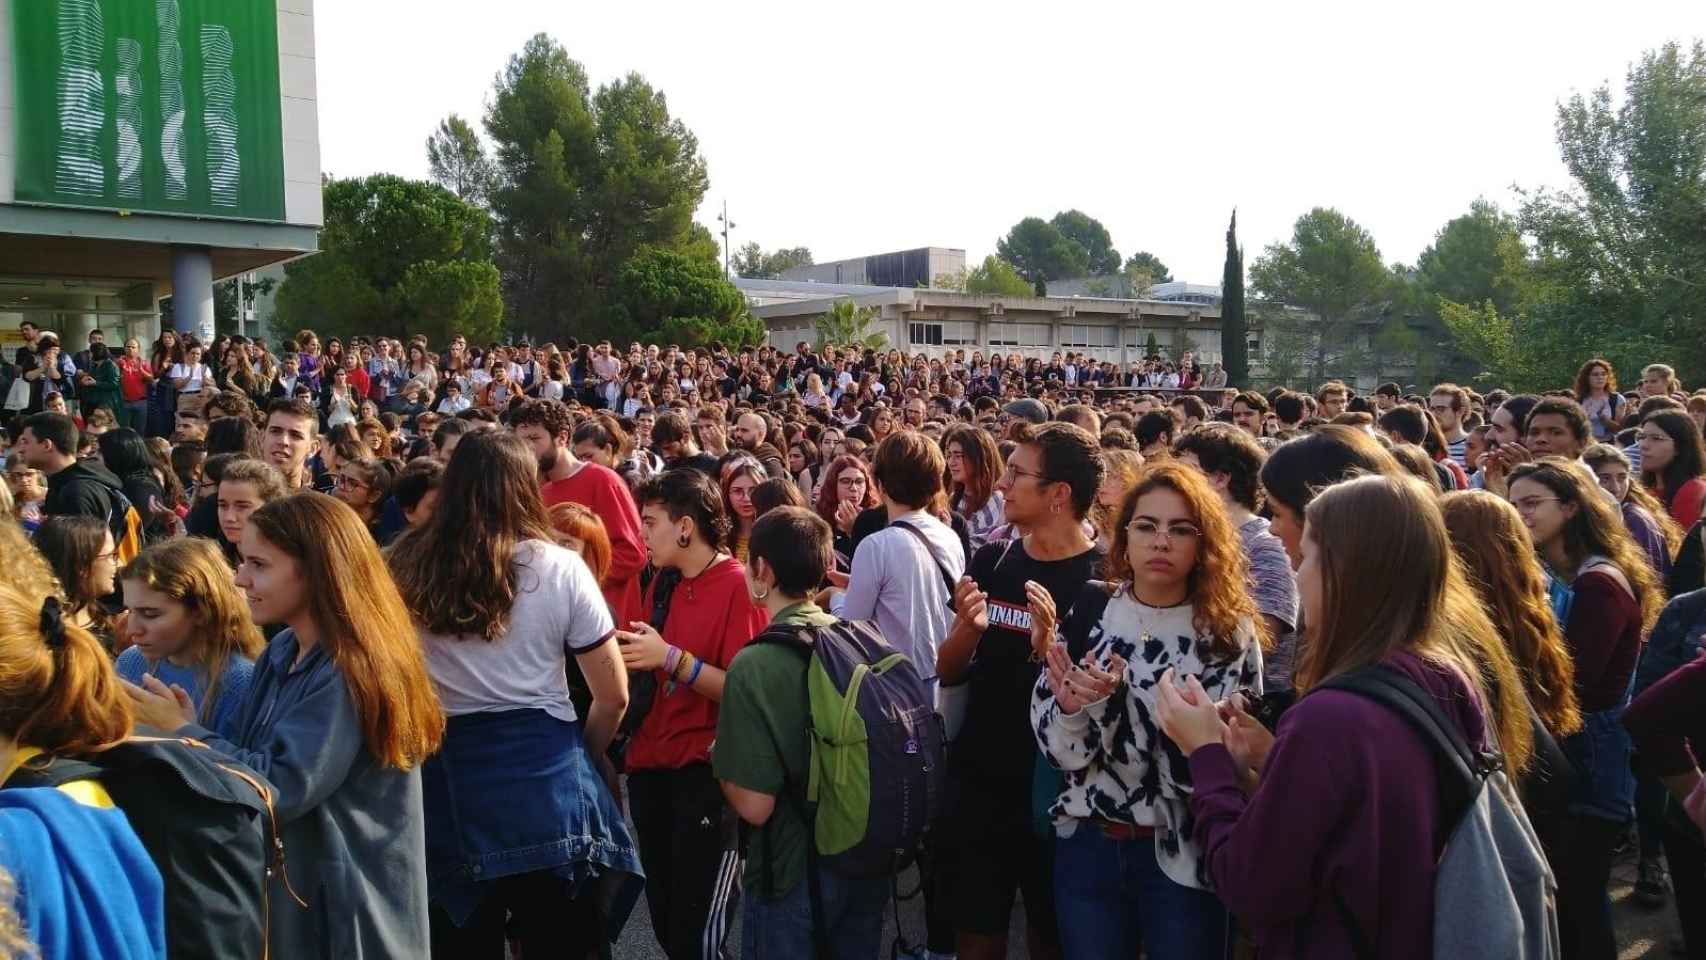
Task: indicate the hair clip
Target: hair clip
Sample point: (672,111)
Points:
(53,623)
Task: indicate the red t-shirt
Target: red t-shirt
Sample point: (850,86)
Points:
(1689,502)
(359,382)
(600,490)
(712,617)
(130,380)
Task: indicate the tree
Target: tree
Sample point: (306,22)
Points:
(752,262)
(371,274)
(1475,257)
(996,277)
(1620,259)
(586,180)
(1234,333)
(846,324)
(226,310)
(1332,269)
(1147,267)
(458,162)
(657,286)
(1040,253)
(1100,257)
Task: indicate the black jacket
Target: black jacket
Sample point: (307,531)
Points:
(85,490)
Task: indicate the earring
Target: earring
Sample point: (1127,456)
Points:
(684,541)
(760,596)
(1054,508)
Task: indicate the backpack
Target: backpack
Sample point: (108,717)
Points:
(1494,894)
(878,769)
(642,687)
(207,822)
(126,524)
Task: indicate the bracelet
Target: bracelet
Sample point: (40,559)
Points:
(671,660)
(694,675)
(682,666)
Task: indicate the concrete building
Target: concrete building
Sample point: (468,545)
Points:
(149,148)
(907,268)
(933,320)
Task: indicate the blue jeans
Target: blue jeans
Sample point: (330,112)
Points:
(782,929)
(1111,898)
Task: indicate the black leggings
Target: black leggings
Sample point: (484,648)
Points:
(537,910)
(689,845)
(1583,868)
(1687,860)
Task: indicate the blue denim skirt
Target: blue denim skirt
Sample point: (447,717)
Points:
(514,792)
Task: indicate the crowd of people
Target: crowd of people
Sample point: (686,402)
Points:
(492,631)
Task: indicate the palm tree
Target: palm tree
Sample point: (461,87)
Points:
(847,324)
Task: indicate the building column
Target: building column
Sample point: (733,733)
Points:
(79,320)
(192,292)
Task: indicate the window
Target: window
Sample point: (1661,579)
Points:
(1081,335)
(959,333)
(1018,335)
(925,334)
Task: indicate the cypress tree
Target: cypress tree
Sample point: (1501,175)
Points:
(1234,340)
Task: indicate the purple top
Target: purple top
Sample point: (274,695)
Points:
(1646,532)
(1348,802)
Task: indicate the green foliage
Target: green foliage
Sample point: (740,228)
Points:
(1331,268)
(458,161)
(1145,270)
(752,262)
(847,324)
(225,306)
(451,297)
(689,332)
(1620,259)
(586,180)
(1087,232)
(378,233)
(1475,257)
(1040,253)
(1234,331)
(657,285)
(996,277)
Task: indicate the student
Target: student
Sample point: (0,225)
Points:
(365,483)
(244,487)
(547,428)
(1127,872)
(1643,515)
(521,812)
(188,627)
(846,491)
(993,648)
(80,883)
(687,833)
(763,748)
(292,436)
(1673,464)
(974,466)
(1327,833)
(1606,596)
(1489,537)
(339,716)
(80,550)
(740,476)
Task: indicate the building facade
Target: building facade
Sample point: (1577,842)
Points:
(149,148)
(906,268)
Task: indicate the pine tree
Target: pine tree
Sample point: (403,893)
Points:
(1234,353)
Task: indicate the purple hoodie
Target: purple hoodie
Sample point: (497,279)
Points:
(1347,803)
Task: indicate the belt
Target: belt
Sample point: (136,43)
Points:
(1121,831)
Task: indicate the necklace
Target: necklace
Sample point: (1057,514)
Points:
(690,580)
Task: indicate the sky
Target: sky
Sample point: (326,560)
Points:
(869,127)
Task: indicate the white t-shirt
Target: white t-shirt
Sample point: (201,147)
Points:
(558,611)
(197,375)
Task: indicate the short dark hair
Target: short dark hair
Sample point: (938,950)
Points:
(1289,407)
(1406,422)
(55,428)
(1228,450)
(910,468)
(453,427)
(301,409)
(671,427)
(1070,455)
(1459,396)
(1251,399)
(686,492)
(552,416)
(1194,407)
(1570,410)
(1152,426)
(420,477)
(233,435)
(796,543)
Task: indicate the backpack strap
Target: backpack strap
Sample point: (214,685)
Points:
(924,542)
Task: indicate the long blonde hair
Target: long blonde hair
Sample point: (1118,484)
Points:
(1389,583)
(193,572)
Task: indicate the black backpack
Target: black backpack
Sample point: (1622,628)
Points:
(642,687)
(206,820)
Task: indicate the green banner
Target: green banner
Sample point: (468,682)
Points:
(169,106)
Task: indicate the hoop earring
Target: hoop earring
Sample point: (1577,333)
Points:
(684,541)
(760,596)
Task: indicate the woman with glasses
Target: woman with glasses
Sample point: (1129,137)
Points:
(1606,595)
(83,557)
(28,487)
(846,492)
(1647,519)
(974,465)
(364,483)
(1127,870)
(1673,464)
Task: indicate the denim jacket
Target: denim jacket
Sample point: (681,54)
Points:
(353,834)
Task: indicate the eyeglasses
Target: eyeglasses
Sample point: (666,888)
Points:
(1014,472)
(344,483)
(1531,504)
(1146,529)
(853,481)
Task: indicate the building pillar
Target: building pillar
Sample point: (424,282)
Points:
(80,319)
(192,292)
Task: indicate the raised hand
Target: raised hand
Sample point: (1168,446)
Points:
(1041,605)
(971,605)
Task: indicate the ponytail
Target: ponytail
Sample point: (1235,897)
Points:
(58,691)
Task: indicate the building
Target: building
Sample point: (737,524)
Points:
(149,148)
(907,268)
(934,320)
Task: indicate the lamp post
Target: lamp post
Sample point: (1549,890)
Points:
(728,225)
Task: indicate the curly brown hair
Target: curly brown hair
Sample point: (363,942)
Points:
(1219,585)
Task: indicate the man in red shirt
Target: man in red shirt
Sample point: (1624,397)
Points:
(547,428)
(134,379)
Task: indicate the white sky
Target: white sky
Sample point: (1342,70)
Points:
(865,127)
